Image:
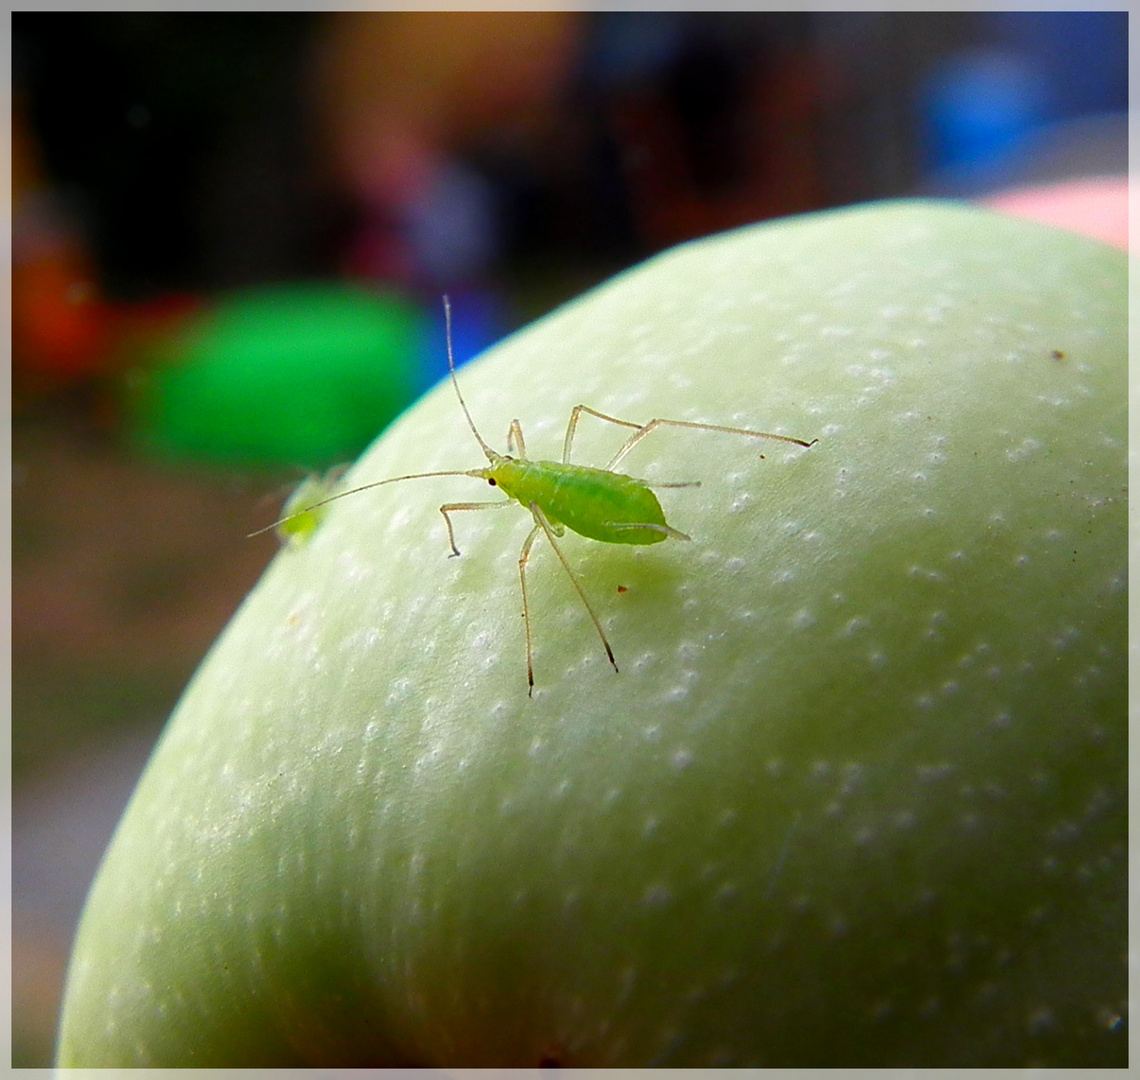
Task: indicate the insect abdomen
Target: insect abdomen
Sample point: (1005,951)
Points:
(593,502)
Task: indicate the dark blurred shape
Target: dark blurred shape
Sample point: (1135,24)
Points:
(1039,97)
(407,99)
(181,139)
(60,321)
(716,118)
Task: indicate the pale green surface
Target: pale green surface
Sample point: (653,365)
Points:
(858,794)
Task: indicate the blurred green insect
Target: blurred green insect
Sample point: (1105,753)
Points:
(596,503)
(304,510)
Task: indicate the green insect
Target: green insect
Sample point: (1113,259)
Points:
(597,503)
(304,510)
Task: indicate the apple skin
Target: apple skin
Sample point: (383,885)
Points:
(858,794)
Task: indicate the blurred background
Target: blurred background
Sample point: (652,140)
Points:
(231,232)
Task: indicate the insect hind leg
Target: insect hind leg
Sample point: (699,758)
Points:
(572,426)
(654,424)
(542,523)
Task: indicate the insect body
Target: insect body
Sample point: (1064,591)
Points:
(601,505)
(596,503)
(305,508)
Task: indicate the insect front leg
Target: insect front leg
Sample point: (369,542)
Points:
(450,508)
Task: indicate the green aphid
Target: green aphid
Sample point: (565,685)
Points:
(304,510)
(597,503)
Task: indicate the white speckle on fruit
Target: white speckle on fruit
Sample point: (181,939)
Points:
(880,1010)
(643,662)
(929,774)
(657,895)
(853,774)
(726,818)
(682,758)
(651,732)
(1064,831)
(675,694)
(725,893)
(774,767)
(1024,450)
(916,571)
(1036,915)
(803,619)
(649,826)
(1040,1019)
(904,819)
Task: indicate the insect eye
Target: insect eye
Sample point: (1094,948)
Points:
(491,480)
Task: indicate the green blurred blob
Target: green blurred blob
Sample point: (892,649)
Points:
(287,374)
(858,796)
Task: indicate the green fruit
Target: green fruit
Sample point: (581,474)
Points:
(858,795)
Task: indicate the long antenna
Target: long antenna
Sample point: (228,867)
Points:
(477,473)
(491,455)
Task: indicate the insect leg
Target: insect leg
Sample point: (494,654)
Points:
(515,440)
(572,426)
(540,517)
(653,425)
(524,556)
(450,508)
(666,530)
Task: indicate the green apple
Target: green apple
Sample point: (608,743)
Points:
(858,793)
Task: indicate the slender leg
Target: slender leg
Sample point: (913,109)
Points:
(641,430)
(515,440)
(665,530)
(543,524)
(653,425)
(450,508)
(572,426)
(524,555)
